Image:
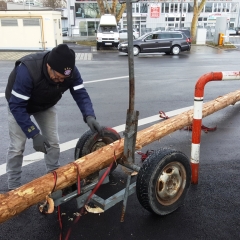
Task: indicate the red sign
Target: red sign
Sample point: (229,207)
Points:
(154,12)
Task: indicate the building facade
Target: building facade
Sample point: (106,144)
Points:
(150,15)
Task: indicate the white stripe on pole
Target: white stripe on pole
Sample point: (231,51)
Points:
(197,113)
(228,75)
(195,153)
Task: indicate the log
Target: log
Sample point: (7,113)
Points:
(16,201)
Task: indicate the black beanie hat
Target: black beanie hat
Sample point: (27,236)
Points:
(62,59)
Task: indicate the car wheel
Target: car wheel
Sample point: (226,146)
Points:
(175,50)
(98,46)
(136,50)
(163,181)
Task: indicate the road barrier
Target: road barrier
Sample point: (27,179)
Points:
(197,114)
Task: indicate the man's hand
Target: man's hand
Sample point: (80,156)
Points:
(39,142)
(93,124)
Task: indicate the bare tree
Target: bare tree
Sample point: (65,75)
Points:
(52,3)
(197,8)
(105,7)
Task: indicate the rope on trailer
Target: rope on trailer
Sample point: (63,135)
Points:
(47,206)
(145,155)
(204,128)
(163,115)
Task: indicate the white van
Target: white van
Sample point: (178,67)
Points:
(107,34)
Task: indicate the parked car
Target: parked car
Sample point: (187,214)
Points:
(64,31)
(123,34)
(237,29)
(169,42)
(231,31)
(184,30)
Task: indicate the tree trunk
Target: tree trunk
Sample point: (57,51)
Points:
(121,11)
(101,7)
(114,5)
(196,12)
(16,201)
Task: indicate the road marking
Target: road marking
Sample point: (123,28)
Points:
(93,81)
(37,156)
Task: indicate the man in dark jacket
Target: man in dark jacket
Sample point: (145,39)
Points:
(34,86)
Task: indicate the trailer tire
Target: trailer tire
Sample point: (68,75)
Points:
(163,181)
(91,141)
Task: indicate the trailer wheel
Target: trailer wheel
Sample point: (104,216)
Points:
(163,181)
(91,141)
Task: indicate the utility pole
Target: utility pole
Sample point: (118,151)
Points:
(69,18)
(180,22)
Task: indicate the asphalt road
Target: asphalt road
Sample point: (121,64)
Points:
(211,209)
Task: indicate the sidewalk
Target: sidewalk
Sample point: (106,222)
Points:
(13,56)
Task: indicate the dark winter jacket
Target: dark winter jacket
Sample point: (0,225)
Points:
(30,90)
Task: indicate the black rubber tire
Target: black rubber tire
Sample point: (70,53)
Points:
(81,142)
(91,141)
(164,172)
(98,46)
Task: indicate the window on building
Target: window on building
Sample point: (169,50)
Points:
(166,7)
(234,7)
(200,19)
(9,22)
(226,7)
(87,10)
(190,7)
(137,7)
(217,7)
(31,22)
(183,7)
(208,7)
(173,7)
(143,7)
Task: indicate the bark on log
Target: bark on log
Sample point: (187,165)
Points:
(16,201)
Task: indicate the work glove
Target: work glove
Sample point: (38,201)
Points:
(40,143)
(93,124)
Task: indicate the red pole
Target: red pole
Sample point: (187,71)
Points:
(197,120)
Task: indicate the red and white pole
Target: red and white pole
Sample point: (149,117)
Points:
(197,115)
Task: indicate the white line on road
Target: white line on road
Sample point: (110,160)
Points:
(34,157)
(93,81)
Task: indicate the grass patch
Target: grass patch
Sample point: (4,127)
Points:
(226,45)
(91,43)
